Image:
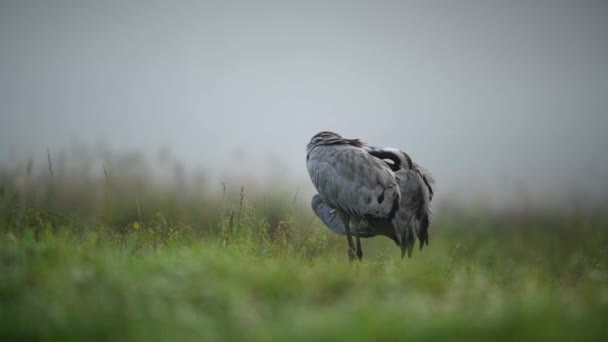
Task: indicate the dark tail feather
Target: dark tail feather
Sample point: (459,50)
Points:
(408,240)
(423,235)
(428,181)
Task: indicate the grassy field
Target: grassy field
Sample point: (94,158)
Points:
(77,263)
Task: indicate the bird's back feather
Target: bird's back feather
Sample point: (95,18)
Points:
(349,179)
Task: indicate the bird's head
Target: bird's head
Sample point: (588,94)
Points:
(394,158)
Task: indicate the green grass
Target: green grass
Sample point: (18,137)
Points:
(479,282)
(208,265)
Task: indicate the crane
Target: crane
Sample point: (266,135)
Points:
(367,191)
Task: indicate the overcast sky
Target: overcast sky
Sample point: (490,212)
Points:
(490,97)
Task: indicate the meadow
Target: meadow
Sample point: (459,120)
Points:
(109,254)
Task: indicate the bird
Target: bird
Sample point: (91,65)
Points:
(368,191)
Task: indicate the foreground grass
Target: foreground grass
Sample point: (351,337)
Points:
(109,253)
(476,283)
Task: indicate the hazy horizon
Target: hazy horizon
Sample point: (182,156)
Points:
(494,99)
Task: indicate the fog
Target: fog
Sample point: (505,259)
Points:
(495,99)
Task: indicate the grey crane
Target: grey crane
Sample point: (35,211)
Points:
(368,191)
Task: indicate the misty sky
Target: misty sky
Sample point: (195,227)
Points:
(491,97)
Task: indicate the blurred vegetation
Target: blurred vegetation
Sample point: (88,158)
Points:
(105,251)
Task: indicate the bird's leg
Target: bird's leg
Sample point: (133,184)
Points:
(359,250)
(351,246)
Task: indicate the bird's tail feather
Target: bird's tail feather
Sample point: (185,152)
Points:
(413,219)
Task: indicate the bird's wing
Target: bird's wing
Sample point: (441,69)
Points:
(427,179)
(327,215)
(353,181)
(412,219)
(400,160)
(330,218)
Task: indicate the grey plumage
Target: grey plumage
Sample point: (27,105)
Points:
(328,215)
(351,180)
(331,219)
(400,160)
(369,190)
